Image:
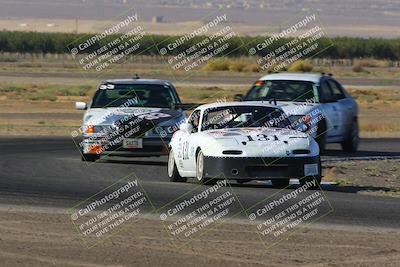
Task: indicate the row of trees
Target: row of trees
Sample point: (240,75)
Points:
(338,47)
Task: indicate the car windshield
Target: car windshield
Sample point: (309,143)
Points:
(244,116)
(283,90)
(134,95)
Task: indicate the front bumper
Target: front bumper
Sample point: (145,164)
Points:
(258,168)
(151,147)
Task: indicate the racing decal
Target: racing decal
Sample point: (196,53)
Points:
(217,133)
(179,150)
(180,163)
(106,86)
(231,134)
(258,137)
(192,152)
(185,150)
(109,116)
(154,116)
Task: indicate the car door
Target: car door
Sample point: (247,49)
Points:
(330,110)
(345,108)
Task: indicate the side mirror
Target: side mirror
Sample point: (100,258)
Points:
(80,105)
(186,127)
(238,97)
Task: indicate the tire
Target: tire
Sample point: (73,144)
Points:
(280,183)
(90,157)
(321,136)
(173,173)
(352,140)
(200,170)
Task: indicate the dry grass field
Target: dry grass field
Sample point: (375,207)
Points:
(37,92)
(49,108)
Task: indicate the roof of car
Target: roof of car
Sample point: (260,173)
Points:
(311,77)
(137,81)
(243,103)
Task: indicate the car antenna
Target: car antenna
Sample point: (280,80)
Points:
(137,77)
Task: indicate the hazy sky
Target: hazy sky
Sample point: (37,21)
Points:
(336,15)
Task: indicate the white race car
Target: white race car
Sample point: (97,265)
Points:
(242,141)
(318,99)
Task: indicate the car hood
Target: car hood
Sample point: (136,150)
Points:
(133,122)
(259,142)
(109,116)
(296,108)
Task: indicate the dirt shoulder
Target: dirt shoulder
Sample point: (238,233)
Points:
(381,178)
(41,239)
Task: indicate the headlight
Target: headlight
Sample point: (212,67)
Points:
(89,129)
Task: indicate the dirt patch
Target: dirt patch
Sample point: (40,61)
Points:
(370,177)
(41,239)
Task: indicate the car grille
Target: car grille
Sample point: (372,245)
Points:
(268,171)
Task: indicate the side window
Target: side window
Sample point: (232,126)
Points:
(337,91)
(195,120)
(326,93)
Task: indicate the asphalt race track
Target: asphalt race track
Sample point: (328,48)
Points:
(48,172)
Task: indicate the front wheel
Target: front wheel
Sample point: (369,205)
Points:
(200,170)
(352,140)
(321,136)
(173,173)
